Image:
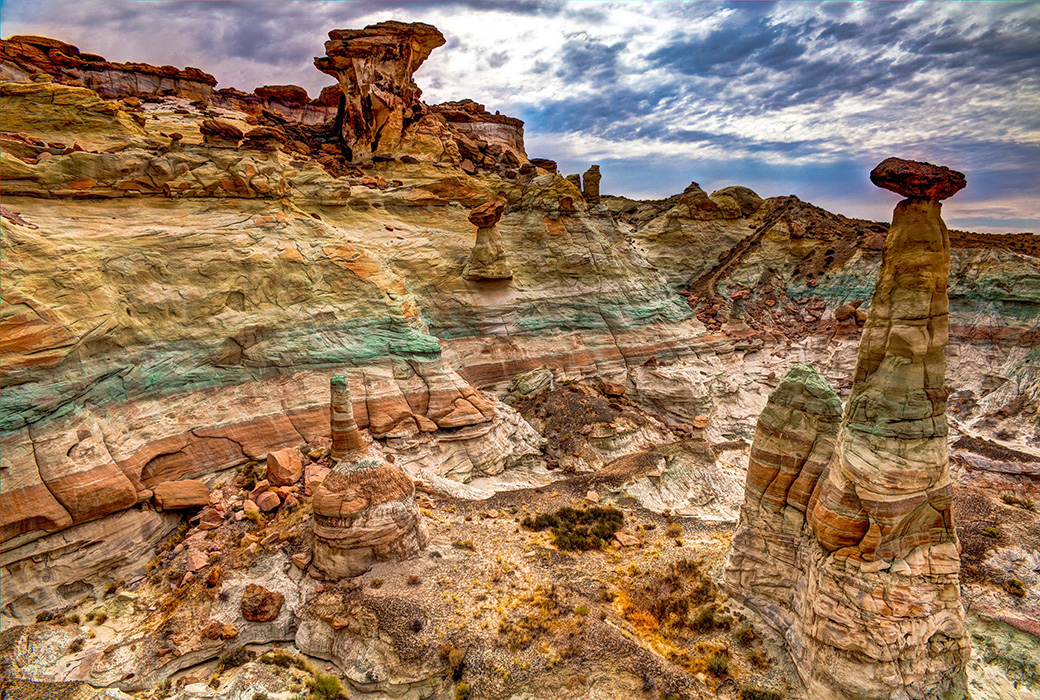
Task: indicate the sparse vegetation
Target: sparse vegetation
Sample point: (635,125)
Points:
(758,659)
(1014,500)
(282,660)
(579,529)
(413,580)
(462,691)
(582,610)
(464,544)
(77,645)
(674,531)
(453,658)
(992,531)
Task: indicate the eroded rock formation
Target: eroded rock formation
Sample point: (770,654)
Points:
(487,261)
(364,510)
(591,180)
(866,586)
(374,67)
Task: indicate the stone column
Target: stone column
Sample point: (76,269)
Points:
(346,437)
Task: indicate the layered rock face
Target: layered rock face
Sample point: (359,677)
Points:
(374,67)
(22,56)
(487,261)
(866,588)
(364,510)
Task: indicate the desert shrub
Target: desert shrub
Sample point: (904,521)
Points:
(77,645)
(745,634)
(101,618)
(579,529)
(709,617)
(283,660)
(1013,500)
(110,589)
(753,692)
(326,687)
(413,580)
(233,658)
(758,659)
(453,658)
(376,582)
(718,663)
(462,691)
(1015,587)
(582,610)
(674,530)
(464,544)
(73,618)
(261,696)
(992,531)
(44,616)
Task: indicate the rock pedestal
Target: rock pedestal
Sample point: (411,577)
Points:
(374,67)
(364,510)
(487,261)
(849,547)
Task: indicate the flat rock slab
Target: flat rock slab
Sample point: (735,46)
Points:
(186,493)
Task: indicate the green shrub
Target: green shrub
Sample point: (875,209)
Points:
(1013,500)
(579,529)
(708,618)
(462,691)
(582,610)
(992,531)
(326,687)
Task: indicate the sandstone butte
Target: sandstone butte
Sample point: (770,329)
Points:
(186,268)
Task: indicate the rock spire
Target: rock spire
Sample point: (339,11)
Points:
(856,559)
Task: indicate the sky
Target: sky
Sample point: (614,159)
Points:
(795,97)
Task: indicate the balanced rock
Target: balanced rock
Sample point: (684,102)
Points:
(487,261)
(185,493)
(847,545)
(487,215)
(364,510)
(917,180)
(374,67)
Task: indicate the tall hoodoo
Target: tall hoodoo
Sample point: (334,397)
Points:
(364,510)
(873,611)
(374,67)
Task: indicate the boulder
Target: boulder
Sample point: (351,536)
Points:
(268,501)
(487,215)
(186,493)
(284,467)
(259,604)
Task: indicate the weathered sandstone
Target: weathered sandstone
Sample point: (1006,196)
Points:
(590,180)
(186,493)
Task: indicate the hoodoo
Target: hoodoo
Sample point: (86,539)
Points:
(866,586)
(374,67)
(364,510)
(487,261)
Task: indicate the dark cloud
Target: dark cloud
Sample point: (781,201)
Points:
(594,61)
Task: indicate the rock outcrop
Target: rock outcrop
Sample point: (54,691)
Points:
(374,67)
(487,261)
(590,180)
(866,586)
(364,510)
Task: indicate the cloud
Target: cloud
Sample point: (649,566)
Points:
(802,93)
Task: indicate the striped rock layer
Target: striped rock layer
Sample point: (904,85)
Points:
(856,559)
